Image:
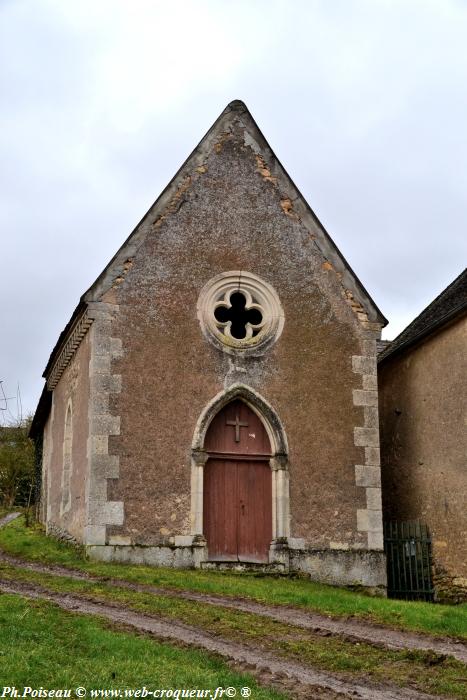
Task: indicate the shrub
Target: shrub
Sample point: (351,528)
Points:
(16,464)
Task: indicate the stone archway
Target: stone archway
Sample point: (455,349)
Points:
(277,460)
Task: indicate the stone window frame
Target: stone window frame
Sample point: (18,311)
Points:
(259,294)
(67,467)
(278,462)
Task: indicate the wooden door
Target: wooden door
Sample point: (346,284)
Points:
(237,487)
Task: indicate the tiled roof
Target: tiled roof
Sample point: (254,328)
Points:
(449,304)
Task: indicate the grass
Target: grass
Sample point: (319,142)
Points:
(42,645)
(422,670)
(31,543)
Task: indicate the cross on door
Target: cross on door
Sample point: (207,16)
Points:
(237,424)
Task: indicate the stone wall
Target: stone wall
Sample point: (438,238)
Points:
(347,568)
(104,384)
(139,372)
(449,588)
(424,443)
(72,389)
(232,212)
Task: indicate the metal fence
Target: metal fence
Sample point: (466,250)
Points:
(408,553)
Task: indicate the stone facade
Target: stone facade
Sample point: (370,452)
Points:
(423,437)
(72,389)
(152,378)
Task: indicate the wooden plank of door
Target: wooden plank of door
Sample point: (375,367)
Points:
(220,509)
(254,488)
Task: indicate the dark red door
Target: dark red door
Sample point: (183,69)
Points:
(237,487)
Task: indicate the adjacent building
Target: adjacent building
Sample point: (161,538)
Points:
(423,410)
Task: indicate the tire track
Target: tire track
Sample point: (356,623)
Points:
(253,660)
(350,629)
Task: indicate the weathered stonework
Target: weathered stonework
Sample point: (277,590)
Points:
(343,568)
(70,346)
(423,434)
(156,380)
(101,511)
(368,476)
(449,588)
(60,534)
(72,389)
(260,295)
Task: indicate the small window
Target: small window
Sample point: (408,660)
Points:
(240,313)
(238,319)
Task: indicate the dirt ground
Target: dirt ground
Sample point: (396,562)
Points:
(302,681)
(350,629)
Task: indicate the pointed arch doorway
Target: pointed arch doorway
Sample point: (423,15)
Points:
(237,493)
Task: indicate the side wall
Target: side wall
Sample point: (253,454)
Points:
(47,449)
(73,385)
(424,444)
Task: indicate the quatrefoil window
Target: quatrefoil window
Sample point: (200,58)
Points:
(237,316)
(240,313)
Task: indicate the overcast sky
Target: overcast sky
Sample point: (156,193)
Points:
(363,101)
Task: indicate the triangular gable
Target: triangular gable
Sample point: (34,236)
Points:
(293,204)
(292,201)
(270,167)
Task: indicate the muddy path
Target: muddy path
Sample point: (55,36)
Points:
(283,674)
(350,629)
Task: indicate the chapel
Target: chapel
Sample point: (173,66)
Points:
(213,400)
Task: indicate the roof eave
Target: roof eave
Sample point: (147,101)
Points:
(41,414)
(446,320)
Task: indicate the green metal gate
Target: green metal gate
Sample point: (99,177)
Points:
(408,553)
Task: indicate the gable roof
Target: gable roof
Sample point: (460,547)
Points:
(166,203)
(236,111)
(451,303)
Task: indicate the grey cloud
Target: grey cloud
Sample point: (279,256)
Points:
(363,102)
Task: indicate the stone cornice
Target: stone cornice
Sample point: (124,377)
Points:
(69,347)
